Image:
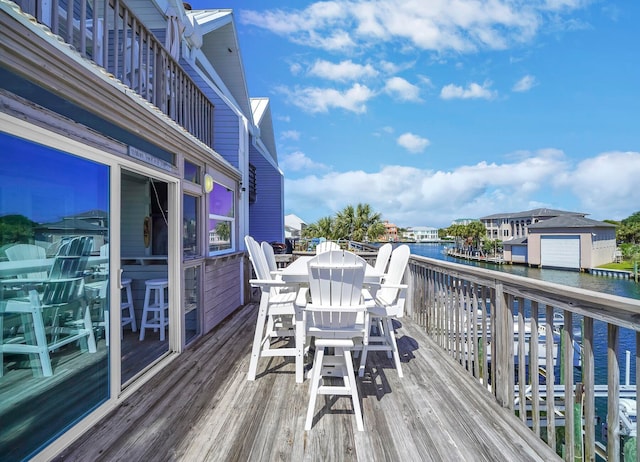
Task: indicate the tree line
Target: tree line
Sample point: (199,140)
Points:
(358,223)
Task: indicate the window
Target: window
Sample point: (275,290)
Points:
(221,218)
(190,247)
(54,209)
(191,172)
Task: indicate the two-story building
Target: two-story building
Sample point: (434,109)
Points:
(553,238)
(422,234)
(136,112)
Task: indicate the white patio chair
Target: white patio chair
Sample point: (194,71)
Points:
(276,315)
(62,292)
(382,259)
(386,305)
(326,246)
(335,316)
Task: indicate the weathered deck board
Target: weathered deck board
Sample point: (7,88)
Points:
(201,407)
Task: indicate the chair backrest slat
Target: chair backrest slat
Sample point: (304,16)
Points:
(269,256)
(382,259)
(395,273)
(326,246)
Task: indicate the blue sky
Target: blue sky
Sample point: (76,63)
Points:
(435,110)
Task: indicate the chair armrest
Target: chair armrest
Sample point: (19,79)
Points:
(393,286)
(301,298)
(267,283)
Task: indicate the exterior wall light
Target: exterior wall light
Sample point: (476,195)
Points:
(208,183)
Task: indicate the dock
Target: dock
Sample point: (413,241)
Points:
(202,408)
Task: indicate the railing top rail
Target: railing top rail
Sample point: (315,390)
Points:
(610,308)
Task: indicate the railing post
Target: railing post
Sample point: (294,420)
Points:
(503,338)
(613,401)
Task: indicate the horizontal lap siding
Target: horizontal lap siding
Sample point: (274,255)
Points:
(266,215)
(223,285)
(226,132)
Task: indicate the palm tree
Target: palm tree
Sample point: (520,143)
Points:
(359,224)
(324,227)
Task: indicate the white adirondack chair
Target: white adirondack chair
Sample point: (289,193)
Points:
(382,259)
(386,305)
(335,316)
(63,291)
(326,246)
(276,315)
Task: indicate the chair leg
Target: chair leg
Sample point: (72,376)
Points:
(299,344)
(40,339)
(391,339)
(353,386)
(258,336)
(316,377)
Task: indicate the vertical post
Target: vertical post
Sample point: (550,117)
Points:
(503,338)
(588,379)
(551,380)
(613,400)
(568,355)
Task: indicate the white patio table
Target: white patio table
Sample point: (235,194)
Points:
(297,273)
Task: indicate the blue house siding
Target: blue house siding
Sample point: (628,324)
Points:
(266,215)
(226,132)
(226,123)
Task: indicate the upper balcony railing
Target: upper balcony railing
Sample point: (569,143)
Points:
(519,336)
(110,34)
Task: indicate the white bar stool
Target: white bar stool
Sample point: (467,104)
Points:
(128,313)
(159,307)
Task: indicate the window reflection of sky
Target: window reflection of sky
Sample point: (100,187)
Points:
(221,201)
(45,185)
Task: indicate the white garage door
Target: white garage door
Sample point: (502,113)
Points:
(560,251)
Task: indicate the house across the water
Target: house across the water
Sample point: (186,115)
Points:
(553,238)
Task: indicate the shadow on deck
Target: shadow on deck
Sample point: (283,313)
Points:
(201,407)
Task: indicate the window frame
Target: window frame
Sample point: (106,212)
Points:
(225,182)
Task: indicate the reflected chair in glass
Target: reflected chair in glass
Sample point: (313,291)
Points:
(384,306)
(27,252)
(335,313)
(276,316)
(62,303)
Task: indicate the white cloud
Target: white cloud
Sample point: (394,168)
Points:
(472,91)
(342,71)
(401,89)
(441,26)
(295,68)
(405,195)
(290,135)
(298,161)
(314,99)
(413,143)
(526,83)
(607,184)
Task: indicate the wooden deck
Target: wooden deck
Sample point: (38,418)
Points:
(202,408)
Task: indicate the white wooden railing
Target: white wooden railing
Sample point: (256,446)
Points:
(478,315)
(110,34)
